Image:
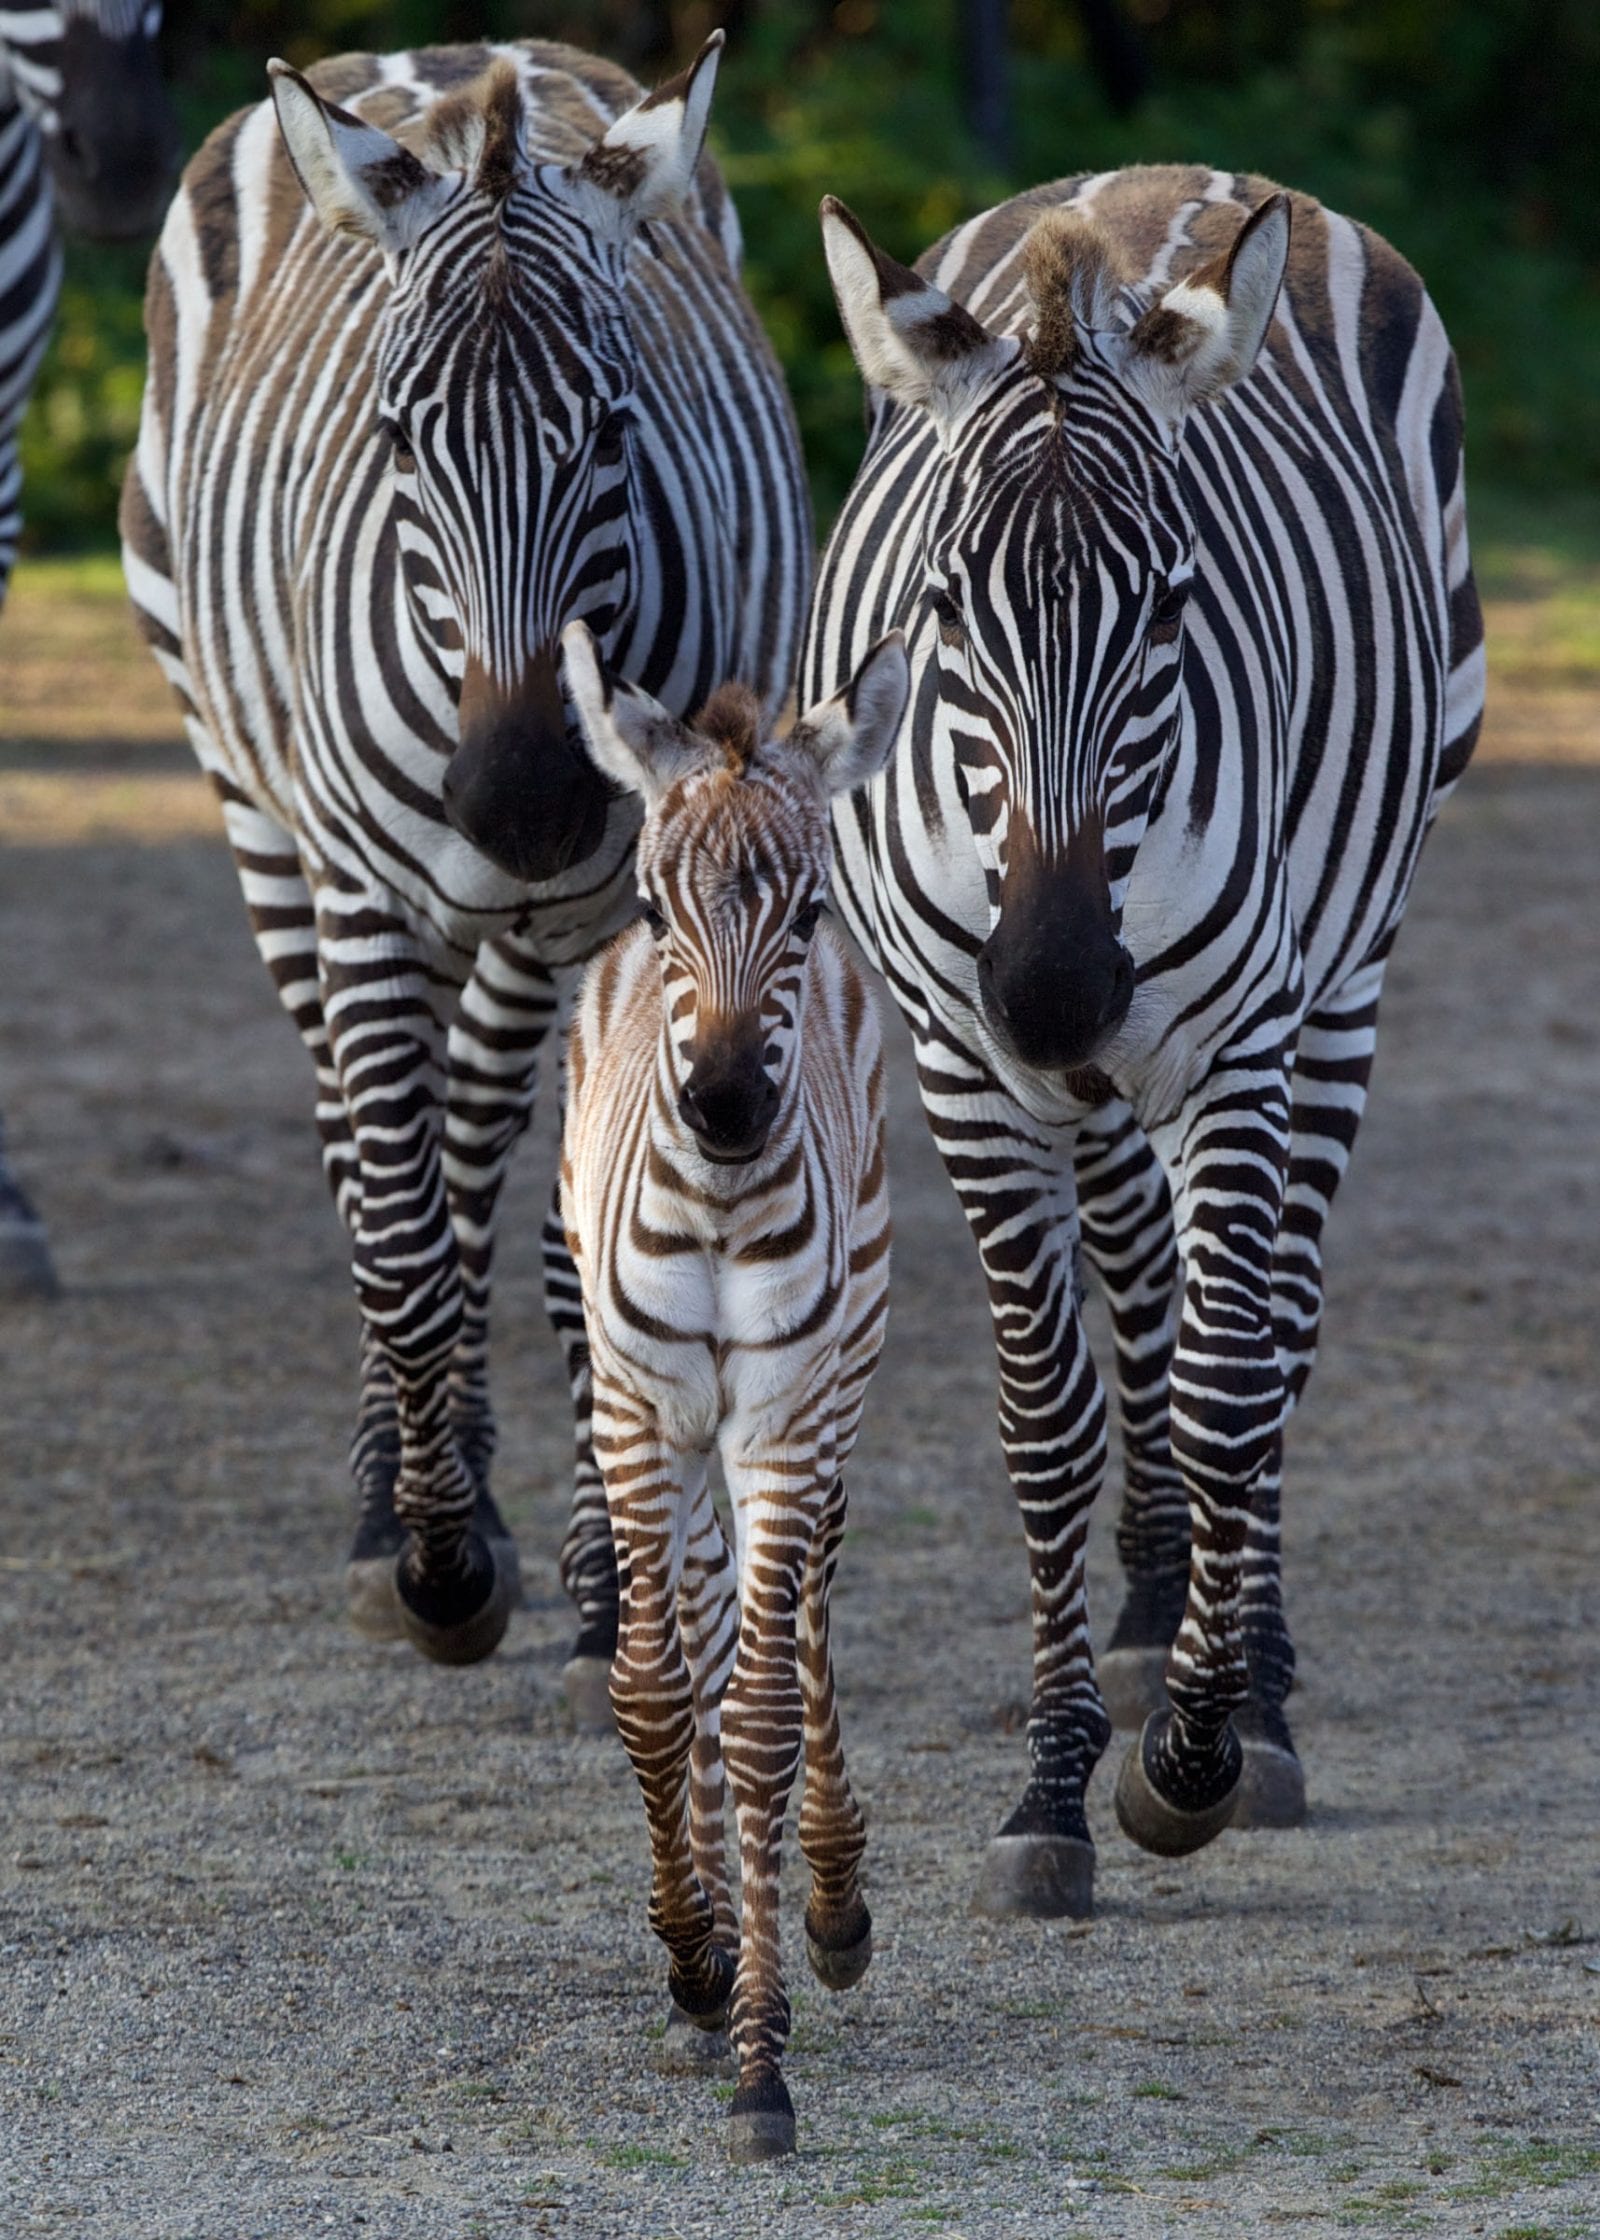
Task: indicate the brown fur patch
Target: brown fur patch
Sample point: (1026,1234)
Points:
(731,719)
(480,125)
(1071,269)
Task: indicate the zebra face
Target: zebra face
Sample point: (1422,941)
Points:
(734,862)
(506,391)
(88,73)
(1056,560)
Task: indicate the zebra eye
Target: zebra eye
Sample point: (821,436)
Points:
(655,921)
(1169,604)
(805,921)
(610,437)
(401,456)
(948,615)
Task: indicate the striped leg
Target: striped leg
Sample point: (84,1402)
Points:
(658,1504)
(283,922)
(1015,1187)
(1333,1064)
(1227,1154)
(588,1555)
(833,1833)
(1126,1211)
(708,1618)
(508,1007)
(379,1005)
(779,1502)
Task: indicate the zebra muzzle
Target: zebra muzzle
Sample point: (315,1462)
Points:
(518,787)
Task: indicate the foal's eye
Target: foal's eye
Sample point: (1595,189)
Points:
(609,439)
(655,921)
(1169,602)
(805,921)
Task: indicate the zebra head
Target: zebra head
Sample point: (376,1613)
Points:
(87,73)
(506,391)
(733,863)
(1057,551)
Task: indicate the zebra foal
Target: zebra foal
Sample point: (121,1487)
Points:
(1164,485)
(726,1203)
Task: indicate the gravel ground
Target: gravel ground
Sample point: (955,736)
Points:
(301,1935)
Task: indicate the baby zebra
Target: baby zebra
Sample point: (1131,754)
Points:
(726,1203)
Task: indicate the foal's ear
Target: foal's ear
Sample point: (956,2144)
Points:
(1207,332)
(909,337)
(628,735)
(644,165)
(849,737)
(355,177)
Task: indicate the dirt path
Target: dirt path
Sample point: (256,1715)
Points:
(302,1936)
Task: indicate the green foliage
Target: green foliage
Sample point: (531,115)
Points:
(1459,128)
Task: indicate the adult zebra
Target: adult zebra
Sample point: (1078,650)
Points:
(1196,654)
(434,371)
(86,129)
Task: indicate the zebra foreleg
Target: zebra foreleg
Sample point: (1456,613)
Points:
(1227,1156)
(378,1003)
(1015,1186)
(508,1007)
(708,1617)
(1125,1209)
(833,1832)
(655,1496)
(589,1570)
(1333,1064)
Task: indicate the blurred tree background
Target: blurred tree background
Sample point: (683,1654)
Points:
(1464,130)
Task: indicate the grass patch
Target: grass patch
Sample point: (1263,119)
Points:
(636,2157)
(1533,2162)
(1153,2089)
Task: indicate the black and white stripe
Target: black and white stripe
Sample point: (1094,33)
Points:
(508,380)
(1196,655)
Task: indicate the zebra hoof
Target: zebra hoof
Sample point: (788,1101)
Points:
(840,1966)
(462,1618)
(761,2122)
(688,2049)
(1133,1683)
(1158,1823)
(1037,1878)
(586,1684)
(1272,1785)
(26,1268)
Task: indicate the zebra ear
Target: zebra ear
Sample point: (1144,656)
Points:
(629,736)
(355,177)
(909,337)
(849,736)
(1207,332)
(645,165)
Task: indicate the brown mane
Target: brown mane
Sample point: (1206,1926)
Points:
(1072,273)
(731,720)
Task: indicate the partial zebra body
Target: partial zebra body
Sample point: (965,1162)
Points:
(84,124)
(725,1195)
(1196,655)
(511,377)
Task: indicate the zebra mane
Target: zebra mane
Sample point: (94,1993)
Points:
(1072,275)
(731,720)
(479,129)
